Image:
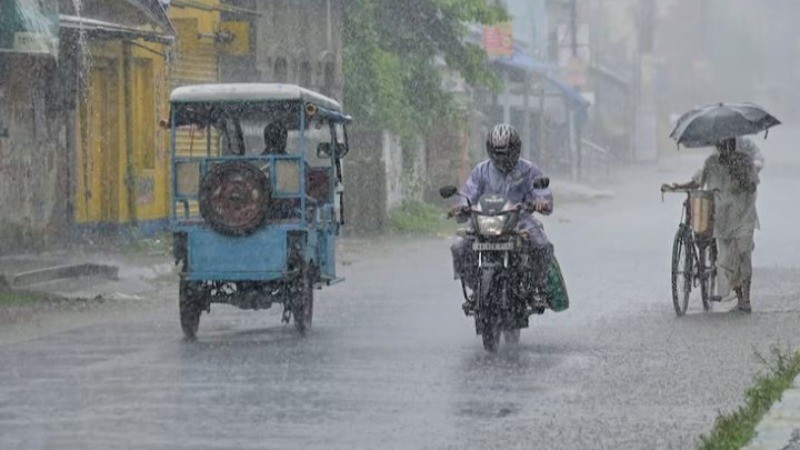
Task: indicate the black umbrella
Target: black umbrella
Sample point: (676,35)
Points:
(710,124)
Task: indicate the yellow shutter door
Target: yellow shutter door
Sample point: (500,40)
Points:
(197,59)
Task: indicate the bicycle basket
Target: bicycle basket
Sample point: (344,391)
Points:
(702,206)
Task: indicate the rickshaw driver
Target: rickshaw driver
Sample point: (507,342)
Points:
(275,138)
(732,173)
(506,174)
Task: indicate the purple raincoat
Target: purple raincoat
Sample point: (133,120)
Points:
(517,186)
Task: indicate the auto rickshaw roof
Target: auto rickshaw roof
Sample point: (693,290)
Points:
(233,92)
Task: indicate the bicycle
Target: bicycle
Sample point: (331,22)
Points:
(694,251)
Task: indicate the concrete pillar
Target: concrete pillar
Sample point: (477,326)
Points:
(526,117)
(506,98)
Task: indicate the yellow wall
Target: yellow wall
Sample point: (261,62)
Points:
(101,194)
(102,159)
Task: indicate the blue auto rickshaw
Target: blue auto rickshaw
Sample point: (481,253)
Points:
(256,197)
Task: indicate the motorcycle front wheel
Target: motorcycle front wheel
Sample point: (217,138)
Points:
(491,338)
(487,320)
(511,336)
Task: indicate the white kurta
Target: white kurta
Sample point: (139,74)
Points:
(735,215)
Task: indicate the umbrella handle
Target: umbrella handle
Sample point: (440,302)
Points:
(766,134)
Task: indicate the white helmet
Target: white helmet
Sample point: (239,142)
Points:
(503,146)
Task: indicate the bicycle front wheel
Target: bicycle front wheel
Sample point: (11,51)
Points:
(682,270)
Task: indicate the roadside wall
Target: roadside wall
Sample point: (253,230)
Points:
(379,175)
(34,169)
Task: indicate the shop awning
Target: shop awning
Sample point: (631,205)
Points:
(111,29)
(145,19)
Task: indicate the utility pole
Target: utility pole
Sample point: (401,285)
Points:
(573,28)
(646,144)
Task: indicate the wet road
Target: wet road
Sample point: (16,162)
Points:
(392,363)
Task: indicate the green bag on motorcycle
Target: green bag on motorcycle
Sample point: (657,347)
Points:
(556,287)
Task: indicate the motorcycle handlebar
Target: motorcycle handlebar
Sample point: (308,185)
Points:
(466,210)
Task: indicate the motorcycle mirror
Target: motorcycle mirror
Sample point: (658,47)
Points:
(541,183)
(448,191)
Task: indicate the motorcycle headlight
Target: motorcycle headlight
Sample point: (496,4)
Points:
(492,225)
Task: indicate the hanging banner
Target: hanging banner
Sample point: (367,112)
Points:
(29,26)
(498,40)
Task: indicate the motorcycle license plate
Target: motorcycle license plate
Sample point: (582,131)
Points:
(492,246)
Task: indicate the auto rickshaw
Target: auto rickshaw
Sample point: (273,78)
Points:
(256,197)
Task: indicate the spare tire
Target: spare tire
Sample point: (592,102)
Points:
(234,198)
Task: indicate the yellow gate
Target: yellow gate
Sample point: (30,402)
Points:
(98,156)
(109,164)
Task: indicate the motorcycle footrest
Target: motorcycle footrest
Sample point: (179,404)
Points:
(537,309)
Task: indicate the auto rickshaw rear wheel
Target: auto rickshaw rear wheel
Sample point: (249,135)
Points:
(234,198)
(190,304)
(303,299)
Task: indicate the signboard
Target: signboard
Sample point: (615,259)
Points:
(575,73)
(29,26)
(574,67)
(498,40)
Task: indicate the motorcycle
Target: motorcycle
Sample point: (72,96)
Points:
(504,294)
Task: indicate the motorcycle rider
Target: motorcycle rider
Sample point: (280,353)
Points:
(504,173)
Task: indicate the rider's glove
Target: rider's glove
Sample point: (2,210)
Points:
(458,211)
(541,206)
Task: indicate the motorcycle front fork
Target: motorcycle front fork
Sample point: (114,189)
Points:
(505,260)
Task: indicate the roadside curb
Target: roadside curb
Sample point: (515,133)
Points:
(779,429)
(31,277)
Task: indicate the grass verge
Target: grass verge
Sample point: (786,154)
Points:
(418,217)
(736,429)
(19,298)
(160,244)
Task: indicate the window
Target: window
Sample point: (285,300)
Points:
(281,72)
(330,78)
(305,74)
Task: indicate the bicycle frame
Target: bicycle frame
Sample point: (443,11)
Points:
(698,254)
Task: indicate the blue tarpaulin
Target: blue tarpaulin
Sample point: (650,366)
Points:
(520,61)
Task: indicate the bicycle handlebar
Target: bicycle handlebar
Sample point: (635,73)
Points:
(679,190)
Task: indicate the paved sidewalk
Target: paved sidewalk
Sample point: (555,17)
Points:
(780,428)
(87,273)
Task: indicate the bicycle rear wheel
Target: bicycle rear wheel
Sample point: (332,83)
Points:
(708,285)
(682,270)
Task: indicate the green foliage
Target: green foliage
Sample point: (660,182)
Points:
(734,430)
(392,79)
(414,216)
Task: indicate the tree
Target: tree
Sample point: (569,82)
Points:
(391,48)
